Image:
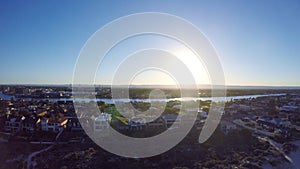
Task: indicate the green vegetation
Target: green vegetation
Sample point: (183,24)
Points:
(113,111)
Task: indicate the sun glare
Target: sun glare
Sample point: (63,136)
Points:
(193,63)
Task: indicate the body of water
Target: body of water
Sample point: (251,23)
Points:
(112,101)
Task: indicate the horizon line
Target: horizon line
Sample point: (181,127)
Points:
(141,85)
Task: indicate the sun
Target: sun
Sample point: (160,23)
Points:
(193,63)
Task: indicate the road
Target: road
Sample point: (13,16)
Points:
(276,145)
(29,158)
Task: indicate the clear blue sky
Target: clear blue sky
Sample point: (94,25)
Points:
(258,42)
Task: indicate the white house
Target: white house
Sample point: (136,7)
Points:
(102,122)
(137,123)
(13,125)
(172,120)
(157,123)
(48,124)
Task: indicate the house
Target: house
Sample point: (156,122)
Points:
(246,119)
(74,124)
(177,106)
(13,125)
(157,123)
(203,114)
(32,108)
(137,123)
(236,108)
(102,122)
(283,115)
(288,108)
(282,133)
(29,124)
(54,125)
(270,123)
(172,120)
(199,122)
(21,123)
(227,126)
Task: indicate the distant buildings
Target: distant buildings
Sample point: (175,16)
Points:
(266,114)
